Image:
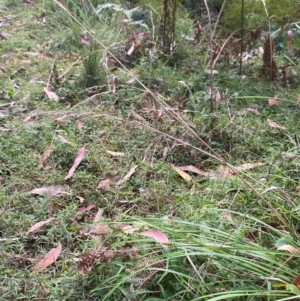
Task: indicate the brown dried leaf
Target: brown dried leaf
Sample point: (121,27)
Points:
(289,248)
(78,159)
(27,118)
(224,171)
(87,208)
(85,40)
(60,119)
(253,111)
(131,49)
(51,95)
(272,102)
(98,215)
(38,225)
(247,110)
(296,281)
(86,264)
(44,156)
(129,229)
(115,154)
(112,82)
(103,184)
(191,168)
(79,125)
(208,71)
(157,235)
(138,116)
(218,97)
(226,216)
(64,140)
(131,80)
(47,191)
(81,199)
(96,90)
(275,125)
(246,166)
(4,113)
(48,259)
(183,174)
(165,153)
(128,175)
(99,229)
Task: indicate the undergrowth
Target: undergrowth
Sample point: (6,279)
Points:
(230,214)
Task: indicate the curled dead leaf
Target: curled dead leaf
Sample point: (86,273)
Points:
(288,248)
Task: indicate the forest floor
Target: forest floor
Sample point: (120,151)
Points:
(118,188)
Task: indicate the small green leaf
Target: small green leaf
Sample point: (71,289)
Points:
(286,240)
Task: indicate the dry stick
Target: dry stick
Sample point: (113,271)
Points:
(52,73)
(242,37)
(210,62)
(69,68)
(212,153)
(222,48)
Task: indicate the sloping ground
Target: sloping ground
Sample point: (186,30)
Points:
(101,169)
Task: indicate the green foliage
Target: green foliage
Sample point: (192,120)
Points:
(259,13)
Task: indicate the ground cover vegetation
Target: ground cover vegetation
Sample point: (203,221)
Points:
(149,150)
